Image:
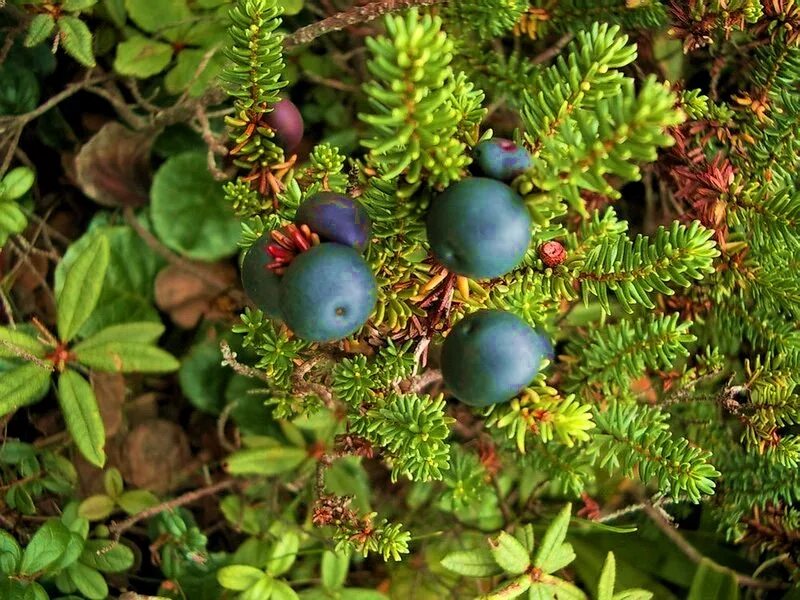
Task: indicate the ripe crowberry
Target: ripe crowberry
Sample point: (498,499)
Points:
(260,283)
(327,293)
(479,227)
(287,122)
(490,356)
(336,218)
(501,159)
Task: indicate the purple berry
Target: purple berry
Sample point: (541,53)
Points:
(336,218)
(287,122)
(501,159)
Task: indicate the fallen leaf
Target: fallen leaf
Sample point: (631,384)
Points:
(189,296)
(113,168)
(156,454)
(109,388)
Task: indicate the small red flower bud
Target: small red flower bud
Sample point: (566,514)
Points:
(552,253)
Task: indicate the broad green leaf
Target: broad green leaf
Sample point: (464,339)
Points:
(116,10)
(22,386)
(97,507)
(83,283)
(263,588)
(712,582)
(203,378)
(76,5)
(362,594)
(188,211)
(265,461)
(40,28)
(142,57)
(11,339)
(46,547)
(472,563)
(21,590)
(155,15)
(282,591)
(71,553)
(239,577)
(509,553)
(283,554)
(334,569)
(82,416)
(512,589)
(126,357)
(135,501)
(184,74)
(112,482)
(10,553)
(554,554)
(605,587)
(76,39)
(19,90)
(106,556)
(16,183)
(89,582)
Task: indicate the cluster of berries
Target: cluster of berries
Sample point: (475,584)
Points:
(480,228)
(312,275)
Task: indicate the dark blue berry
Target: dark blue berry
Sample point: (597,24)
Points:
(327,293)
(479,227)
(490,356)
(260,284)
(501,159)
(287,122)
(336,218)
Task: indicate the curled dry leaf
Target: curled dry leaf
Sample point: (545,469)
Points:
(205,291)
(113,168)
(156,454)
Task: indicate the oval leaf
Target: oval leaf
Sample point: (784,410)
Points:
(45,547)
(109,557)
(239,577)
(510,554)
(188,210)
(83,283)
(76,39)
(14,341)
(82,416)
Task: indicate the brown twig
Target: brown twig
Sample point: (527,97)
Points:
(155,244)
(357,14)
(553,50)
(661,521)
(117,529)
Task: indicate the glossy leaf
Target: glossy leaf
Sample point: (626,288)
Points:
(188,211)
(142,57)
(283,554)
(107,556)
(239,577)
(45,548)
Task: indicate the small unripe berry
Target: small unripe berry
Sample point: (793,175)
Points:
(552,253)
(490,356)
(260,283)
(327,293)
(336,218)
(501,159)
(479,228)
(287,122)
